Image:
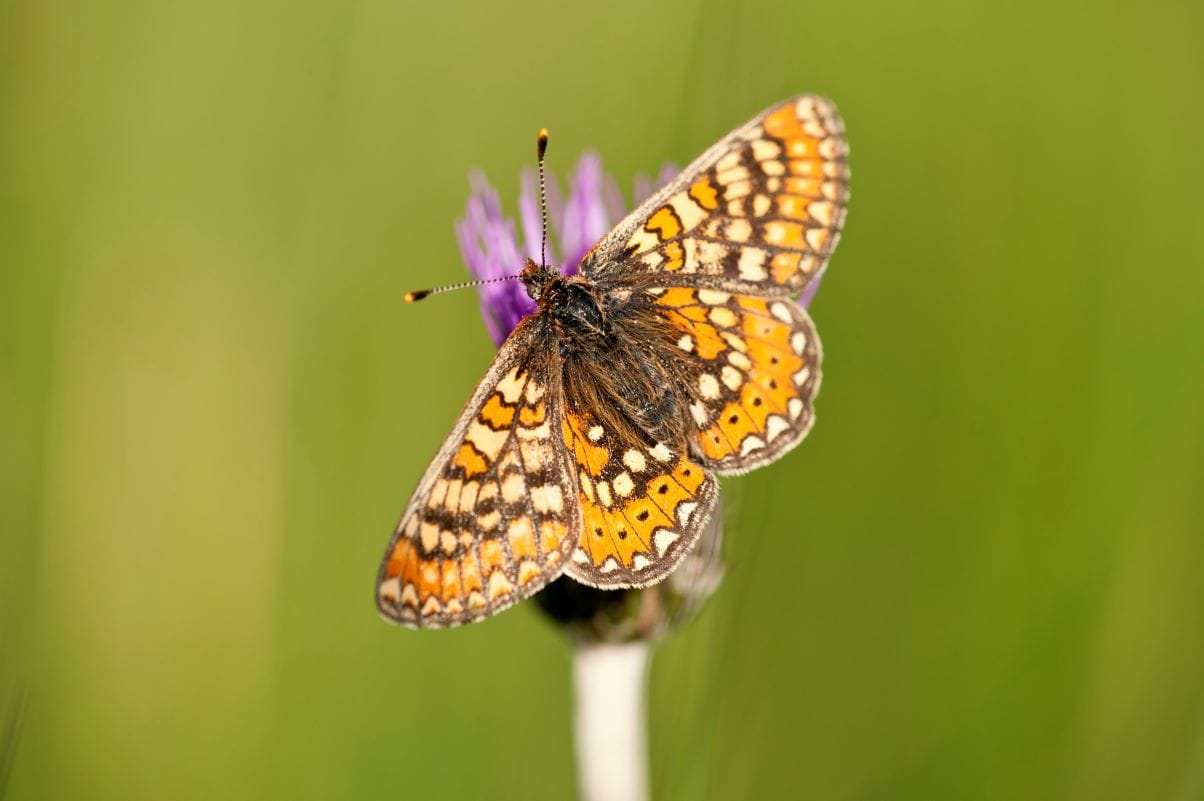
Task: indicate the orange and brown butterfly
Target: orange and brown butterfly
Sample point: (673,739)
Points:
(675,354)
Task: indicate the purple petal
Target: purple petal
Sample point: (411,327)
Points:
(812,287)
(585,217)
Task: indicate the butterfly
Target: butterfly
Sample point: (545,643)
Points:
(676,354)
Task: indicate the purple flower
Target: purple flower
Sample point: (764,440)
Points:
(492,246)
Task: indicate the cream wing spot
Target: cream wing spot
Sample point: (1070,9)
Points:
(739,229)
(429,536)
(734,342)
(752,264)
(663,540)
(510,387)
(732,378)
(623,485)
(634,460)
(533,454)
(499,585)
(468,496)
(390,590)
(738,359)
(661,452)
(452,501)
(541,433)
(547,498)
(765,149)
(713,297)
(486,440)
(708,386)
(722,316)
(774,426)
(816,237)
(710,256)
(513,488)
(438,494)
(409,595)
(822,211)
(689,212)
(728,162)
(535,391)
(751,443)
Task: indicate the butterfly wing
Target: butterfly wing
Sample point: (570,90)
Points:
(760,212)
(642,507)
(496,513)
(758,371)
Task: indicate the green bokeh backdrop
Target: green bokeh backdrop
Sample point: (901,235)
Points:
(979,578)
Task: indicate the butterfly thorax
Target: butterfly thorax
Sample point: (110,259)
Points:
(615,361)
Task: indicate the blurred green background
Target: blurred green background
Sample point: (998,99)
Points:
(981,577)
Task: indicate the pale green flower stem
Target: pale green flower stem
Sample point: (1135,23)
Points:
(610,684)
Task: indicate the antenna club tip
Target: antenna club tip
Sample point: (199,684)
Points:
(414,297)
(542,139)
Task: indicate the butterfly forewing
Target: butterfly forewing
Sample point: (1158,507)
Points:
(496,514)
(760,212)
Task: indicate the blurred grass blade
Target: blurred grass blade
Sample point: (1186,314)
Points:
(12,734)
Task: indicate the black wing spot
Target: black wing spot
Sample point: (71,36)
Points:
(663,488)
(642,516)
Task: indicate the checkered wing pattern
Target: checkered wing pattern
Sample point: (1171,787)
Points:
(758,372)
(496,514)
(760,212)
(642,506)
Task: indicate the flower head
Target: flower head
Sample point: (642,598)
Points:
(492,246)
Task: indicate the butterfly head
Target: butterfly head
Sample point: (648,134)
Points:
(537,278)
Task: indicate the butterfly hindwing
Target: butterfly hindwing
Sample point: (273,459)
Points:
(760,212)
(496,513)
(758,373)
(642,506)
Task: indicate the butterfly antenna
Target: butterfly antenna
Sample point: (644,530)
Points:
(541,149)
(414,297)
